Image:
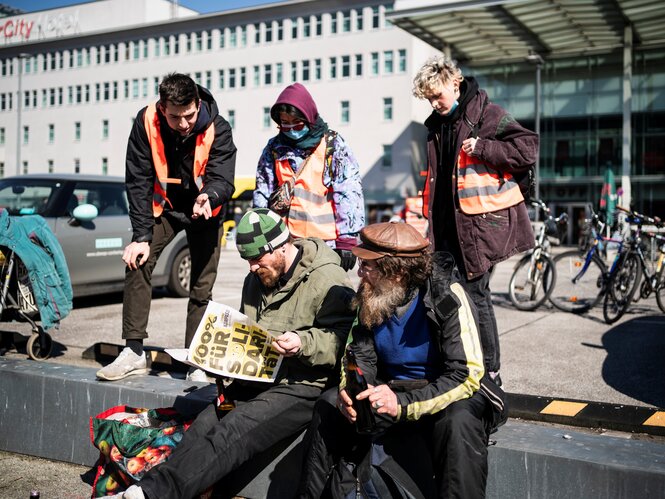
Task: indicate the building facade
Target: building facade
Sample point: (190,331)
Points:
(73,79)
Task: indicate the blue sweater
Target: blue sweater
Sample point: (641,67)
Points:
(404,347)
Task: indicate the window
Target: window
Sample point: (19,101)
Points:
(221,78)
(167,45)
(232,78)
(144,85)
(307,27)
(266,117)
(243,77)
(77,165)
(243,36)
(305,70)
(257,34)
(269,32)
(125,86)
(222,38)
(208,35)
(135,88)
(375,63)
(388,61)
(333,23)
(280,31)
(257,76)
(375,17)
(105,129)
(50,166)
(198,41)
(344,116)
(197,78)
(401,61)
(233,37)
(294,71)
(176,44)
(359,64)
(278,71)
(105,167)
(387,158)
(51,133)
(26,134)
(25,168)
(208,83)
(359,20)
(77,131)
(318,25)
(387,108)
(294,29)
(317,69)
(2,136)
(333,68)
(2,169)
(346,21)
(346,66)
(158,46)
(267,74)
(107,91)
(231,118)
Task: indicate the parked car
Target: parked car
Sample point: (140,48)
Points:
(89,216)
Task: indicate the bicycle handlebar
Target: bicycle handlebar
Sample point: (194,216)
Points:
(644,218)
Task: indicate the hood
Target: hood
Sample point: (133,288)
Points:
(298,96)
(208,112)
(315,254)
(468,90)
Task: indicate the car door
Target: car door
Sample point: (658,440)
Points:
(94,249)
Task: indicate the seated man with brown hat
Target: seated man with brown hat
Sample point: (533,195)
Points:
(416,342)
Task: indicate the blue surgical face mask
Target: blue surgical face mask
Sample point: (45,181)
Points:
(454,106)
(296,134)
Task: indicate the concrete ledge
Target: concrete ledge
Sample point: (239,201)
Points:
(46,411)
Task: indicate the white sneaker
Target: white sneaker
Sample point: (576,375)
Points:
(127,364)
(197,375)
(133,492)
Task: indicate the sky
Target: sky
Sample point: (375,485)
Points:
(203,6)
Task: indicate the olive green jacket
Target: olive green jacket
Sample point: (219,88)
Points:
(315,303)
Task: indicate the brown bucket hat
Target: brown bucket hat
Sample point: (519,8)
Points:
(390,239)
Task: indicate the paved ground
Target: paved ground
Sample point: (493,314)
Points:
(544,352)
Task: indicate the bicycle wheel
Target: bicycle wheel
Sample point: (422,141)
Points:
(577,291)
(660,293)
(530,285)
(621,288)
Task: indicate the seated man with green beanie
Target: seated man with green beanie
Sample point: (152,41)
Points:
(297,291)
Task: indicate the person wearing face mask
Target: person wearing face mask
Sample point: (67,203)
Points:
(327,199)
(476,152)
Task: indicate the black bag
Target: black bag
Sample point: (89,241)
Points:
(378,476)
(280,198)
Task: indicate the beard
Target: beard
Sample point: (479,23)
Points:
(270,275)
(377,303)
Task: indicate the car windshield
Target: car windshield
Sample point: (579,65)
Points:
(29,196)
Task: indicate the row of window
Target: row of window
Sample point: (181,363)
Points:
(336,67)
(344,118)
(352,20)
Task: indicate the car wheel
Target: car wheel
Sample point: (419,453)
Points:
(181,272)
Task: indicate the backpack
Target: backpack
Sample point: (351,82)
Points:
(378,476)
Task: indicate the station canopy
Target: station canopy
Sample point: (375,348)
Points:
(477,32)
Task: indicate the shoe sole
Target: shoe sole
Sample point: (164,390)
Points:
(116,378)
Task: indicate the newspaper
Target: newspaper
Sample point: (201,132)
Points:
(228,343)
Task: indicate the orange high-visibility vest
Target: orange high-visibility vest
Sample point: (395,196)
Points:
(481,188)
(201,153)
(311,213)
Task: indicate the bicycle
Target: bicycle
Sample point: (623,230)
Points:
(534,276)
(656,282)
(625,279)
(582,273)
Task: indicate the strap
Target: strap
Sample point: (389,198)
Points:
(319,152)
(476,126)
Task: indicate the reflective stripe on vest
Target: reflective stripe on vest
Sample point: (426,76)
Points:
(483,189)
(311,213)
(201,152)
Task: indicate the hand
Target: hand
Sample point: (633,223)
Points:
(469,145)
(287,344)
(202,207)
(345,406)
(348,259)
(383,399)
(136,254)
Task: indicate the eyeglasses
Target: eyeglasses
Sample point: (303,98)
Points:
(367,267)
(296,126)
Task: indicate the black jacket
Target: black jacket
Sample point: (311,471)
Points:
(454,328)
(140,173)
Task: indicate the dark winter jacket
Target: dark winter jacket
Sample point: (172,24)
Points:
(140,172)
(454,330)
(488,238)
(315,303)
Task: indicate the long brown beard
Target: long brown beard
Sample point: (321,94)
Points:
(376,304)
(269,276)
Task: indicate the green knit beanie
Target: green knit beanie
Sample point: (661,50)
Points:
(260,231)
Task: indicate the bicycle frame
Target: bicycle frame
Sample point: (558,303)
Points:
(599,239)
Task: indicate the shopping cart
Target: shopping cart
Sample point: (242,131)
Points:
(34,280)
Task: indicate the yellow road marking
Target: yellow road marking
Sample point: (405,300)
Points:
(562,408)
(656,419)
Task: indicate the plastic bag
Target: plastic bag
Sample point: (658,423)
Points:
(131,441)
